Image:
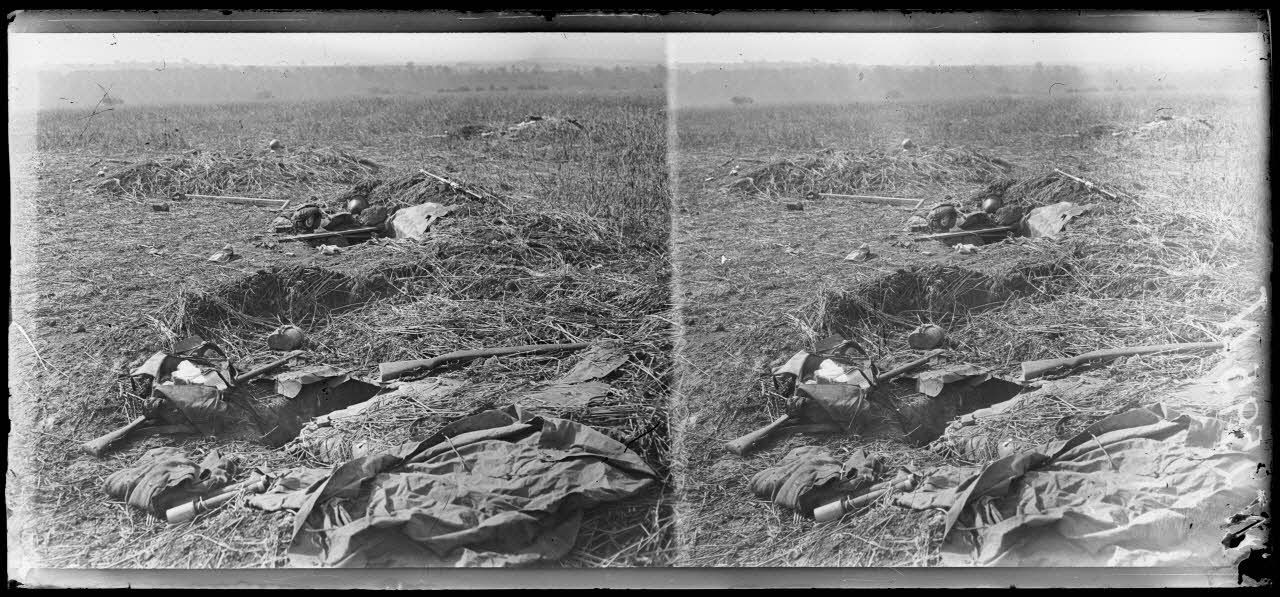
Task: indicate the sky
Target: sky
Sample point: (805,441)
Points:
(1174,50)
(41,50)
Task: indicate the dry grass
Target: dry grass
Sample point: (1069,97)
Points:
(582,256)
(1180,254)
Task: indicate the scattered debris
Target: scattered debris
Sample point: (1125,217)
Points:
(1036,369)
(932,382)
(577,387)
(372,216)
(175,408)
(508,487)
(862,253)
(414,222)
(338,221)
(282,224)
(926,336)
(831,407)
(977,220)
(942,217)
(307,217)
(286,337)
(1048,221)
(538,125)
(227,254)
(917,224)
(1008,215)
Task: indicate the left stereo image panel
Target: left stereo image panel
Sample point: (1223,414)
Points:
(339,300)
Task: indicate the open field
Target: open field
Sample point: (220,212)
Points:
(569,245)
(756,282)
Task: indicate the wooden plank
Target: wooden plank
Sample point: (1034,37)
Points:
(874,199)
(964,233)
(351,232)
(277,203)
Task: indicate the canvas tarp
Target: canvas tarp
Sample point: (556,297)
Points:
(502,487)
(1146,487)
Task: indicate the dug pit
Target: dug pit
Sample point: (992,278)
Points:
(886,308)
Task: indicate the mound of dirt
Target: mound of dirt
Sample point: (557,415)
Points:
(247,172)
(541,126)
(832,170)
(1032,191)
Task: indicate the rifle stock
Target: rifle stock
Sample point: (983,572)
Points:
(1035,369)
(397,369)
(743,444)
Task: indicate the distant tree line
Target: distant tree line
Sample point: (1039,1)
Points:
(204,84)
(777,82)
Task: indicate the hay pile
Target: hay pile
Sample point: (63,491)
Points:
(253,173)
(403,191)
(877,171)
(1032,191)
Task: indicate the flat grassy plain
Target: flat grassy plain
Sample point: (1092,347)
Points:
(100,279)
(756,282)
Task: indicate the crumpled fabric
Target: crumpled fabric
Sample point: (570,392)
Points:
(290,383)
(932,381)
(581,384)
(288,489)
(1145,487)
(499,488)
(202,406)
(810,476)
(828,403)
(164,477)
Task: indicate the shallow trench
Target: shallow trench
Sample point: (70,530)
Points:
(301,295)
(942,294)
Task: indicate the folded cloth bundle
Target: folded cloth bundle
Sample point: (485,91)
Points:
(810,476)
(165,477)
